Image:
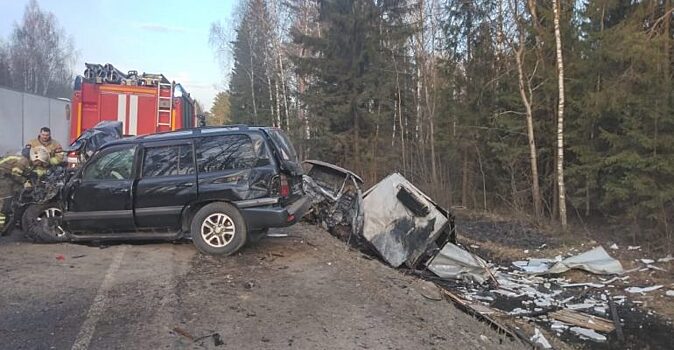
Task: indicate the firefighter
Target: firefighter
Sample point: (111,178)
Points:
(52,146)
(17,172)
(12,170)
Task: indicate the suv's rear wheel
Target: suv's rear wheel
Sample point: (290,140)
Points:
(218,229)
(42,223)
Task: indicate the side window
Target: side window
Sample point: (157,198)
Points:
(217,153)
(116,165)
(168,161)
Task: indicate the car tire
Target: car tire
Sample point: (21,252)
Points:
(218,229)
(41,223)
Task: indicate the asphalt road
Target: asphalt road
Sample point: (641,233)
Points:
(305,291)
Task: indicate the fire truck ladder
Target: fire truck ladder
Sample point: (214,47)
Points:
(164,106)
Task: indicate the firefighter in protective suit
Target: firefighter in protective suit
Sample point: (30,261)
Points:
(44,140)
(16,172)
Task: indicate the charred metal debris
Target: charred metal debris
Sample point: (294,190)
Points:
(407,229)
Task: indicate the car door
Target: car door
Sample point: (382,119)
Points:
(99,197)
(167,183)
(224,164)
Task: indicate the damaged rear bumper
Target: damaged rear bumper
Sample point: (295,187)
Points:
(258,218)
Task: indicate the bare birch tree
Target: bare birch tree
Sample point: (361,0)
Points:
(560,116)
(527,96)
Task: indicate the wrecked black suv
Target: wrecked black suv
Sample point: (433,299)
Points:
(221,186)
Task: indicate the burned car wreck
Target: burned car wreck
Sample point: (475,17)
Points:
(393,218)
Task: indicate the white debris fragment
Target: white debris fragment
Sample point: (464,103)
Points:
(454,262)
(668,258)
(534,265)
(614,246)
(600,309)
(484,338)
(584,284)
(585,333)
(483,298)
(518,311)
(643,290)
(558,326)
(581,306)
(653,267)
(526,251)
(277,235)
(539,339)
(474,246)
(595,260)
(633,247)
(507,293)
(542,302)
(669,293)
(615,279)
(647,261)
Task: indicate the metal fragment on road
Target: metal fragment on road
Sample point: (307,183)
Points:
(585,333)
(595,260)
(539,339)
(456,263)
(643,290)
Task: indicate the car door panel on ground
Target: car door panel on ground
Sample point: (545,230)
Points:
(224,166)
(167,183)
(101,195)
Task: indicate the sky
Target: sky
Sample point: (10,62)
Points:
(154,36)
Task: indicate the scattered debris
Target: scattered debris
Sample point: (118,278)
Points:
(614,246)
(668,258)
(535,266)
(584,320)
(669,293)
(277,235)
(78,256)
(456,263)
(647,261)
(633,247)
(184,333)
(642,290)
(428,290)
(60,257)
(596,261)
(539,339)
(585,333)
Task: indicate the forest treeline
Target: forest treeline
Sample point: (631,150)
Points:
(553,109)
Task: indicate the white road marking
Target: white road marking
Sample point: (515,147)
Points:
(89,325)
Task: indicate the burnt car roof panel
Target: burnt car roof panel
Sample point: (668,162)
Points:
(334,167)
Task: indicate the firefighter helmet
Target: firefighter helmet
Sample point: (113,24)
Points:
(39,153)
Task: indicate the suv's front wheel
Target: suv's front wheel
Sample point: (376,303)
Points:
(218,229)
(42,223)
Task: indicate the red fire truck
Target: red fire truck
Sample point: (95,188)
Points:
(144,103)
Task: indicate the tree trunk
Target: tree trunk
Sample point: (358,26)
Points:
(560,117)
(533,154)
